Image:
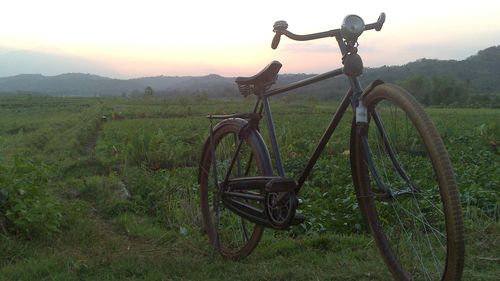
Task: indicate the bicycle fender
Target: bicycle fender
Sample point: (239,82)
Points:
(252,134)
(372,86)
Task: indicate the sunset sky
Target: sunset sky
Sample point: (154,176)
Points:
(231,38)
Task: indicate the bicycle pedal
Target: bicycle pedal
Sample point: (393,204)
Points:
(298,219)
(281,185)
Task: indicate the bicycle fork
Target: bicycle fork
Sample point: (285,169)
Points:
(362,119)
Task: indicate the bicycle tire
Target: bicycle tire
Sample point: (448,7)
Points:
(419,235)
(221,224)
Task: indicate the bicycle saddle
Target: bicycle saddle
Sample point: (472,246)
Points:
(260,81)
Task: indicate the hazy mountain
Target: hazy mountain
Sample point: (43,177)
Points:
(74,84)
(79,84)
(210,84)
(480,72)
(50,62)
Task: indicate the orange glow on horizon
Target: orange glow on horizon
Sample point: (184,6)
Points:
(194,37)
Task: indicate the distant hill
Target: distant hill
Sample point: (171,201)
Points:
(49,61)
(480,72)
(79,84)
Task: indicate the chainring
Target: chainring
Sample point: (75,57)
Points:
(280,208)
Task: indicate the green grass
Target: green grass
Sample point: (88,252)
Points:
(123,175)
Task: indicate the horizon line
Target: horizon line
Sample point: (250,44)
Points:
(125,77)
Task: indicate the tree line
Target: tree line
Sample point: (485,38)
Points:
(436,90)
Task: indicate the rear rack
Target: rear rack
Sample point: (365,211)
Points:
(247,116)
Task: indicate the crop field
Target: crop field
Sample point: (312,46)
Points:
(106,189)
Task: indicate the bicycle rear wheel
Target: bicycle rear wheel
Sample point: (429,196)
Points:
(233,236)
(418,228)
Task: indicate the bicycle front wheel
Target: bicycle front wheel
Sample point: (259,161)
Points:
(233,236)
(406,188)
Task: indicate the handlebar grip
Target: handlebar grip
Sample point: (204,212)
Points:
(278,27)
(380,22)
(376,25)
(276,40)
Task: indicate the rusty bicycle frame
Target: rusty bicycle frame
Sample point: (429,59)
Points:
(353,68)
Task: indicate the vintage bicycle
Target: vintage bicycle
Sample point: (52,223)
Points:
(403,178)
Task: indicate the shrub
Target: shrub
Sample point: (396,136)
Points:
(26,208)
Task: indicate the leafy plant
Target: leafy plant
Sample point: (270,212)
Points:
(26,207)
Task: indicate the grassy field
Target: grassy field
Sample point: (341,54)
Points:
(106,189)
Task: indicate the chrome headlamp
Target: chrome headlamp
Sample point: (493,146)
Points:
(352,27)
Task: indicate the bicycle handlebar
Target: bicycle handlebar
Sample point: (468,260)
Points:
(280,28)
